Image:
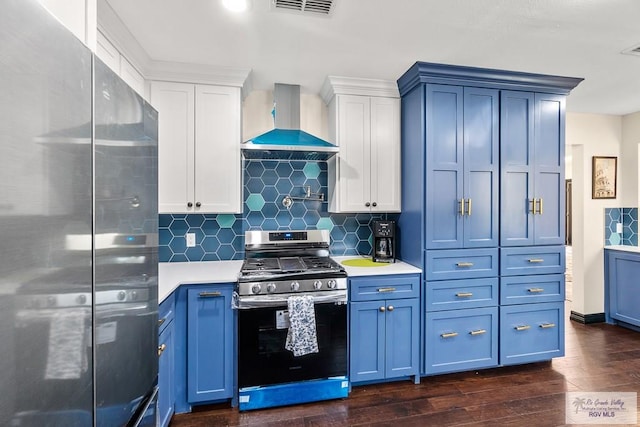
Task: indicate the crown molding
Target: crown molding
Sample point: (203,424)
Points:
(336,85)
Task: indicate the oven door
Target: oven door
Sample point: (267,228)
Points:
(262,329)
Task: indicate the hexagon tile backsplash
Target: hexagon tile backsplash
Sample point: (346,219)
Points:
(628,217)
(266,183)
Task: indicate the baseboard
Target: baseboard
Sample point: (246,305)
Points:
(587,318)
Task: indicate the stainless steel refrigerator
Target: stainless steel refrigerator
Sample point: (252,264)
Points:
(78,233)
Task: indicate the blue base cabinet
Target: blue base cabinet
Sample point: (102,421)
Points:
(205,330)
(482,198)
(459,340)
(166,361)
(384,323)
(531,332)
(210,321)
(622,299)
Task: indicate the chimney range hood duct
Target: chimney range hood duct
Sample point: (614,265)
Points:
(287,141)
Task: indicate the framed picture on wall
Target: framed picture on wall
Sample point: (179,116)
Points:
(603,177)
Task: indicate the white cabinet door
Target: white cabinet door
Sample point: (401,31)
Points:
(353,182)
(217,149)
(385,154)
(108,53)
(131,76)
(175,104)
(367,168)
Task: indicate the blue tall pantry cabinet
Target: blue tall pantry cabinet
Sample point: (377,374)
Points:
(483,211)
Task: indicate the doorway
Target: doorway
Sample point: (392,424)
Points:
(569,208)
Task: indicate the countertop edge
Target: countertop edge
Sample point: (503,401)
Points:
(171,275)
(624,248)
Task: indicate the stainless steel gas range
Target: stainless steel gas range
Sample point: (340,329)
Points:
(292,321)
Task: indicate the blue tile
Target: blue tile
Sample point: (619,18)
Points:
(195,220)
(210,244)
(351,240)
(271,194)
(211,257)
(338,233)
(284,169)
(164,254)
(311,219)
(254,185)
(270,164)
(255,219)
(269,210)
(195,253)
(238,243)
(298,164)
(364,248)
(298,178)
(226,236)
(284,218)
(284,186)
(164,237)
(363,232)
(164,220)
(179,258)
(226,252)
(298,224)
(269,177)
(270,224)
(254,168)
(179,227)
(351,225)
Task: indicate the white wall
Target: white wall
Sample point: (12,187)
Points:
(257,119)
(629,160)
(590,135)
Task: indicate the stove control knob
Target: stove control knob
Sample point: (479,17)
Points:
(255,288)
(317,284)
(295,286)
(271,287)
(332,284)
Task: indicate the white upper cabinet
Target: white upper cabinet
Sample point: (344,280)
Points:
(364,121)
(79,16)
(200,169)
(109,54)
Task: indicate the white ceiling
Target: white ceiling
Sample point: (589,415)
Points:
(382,38)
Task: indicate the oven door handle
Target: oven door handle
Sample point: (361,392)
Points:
(280,300)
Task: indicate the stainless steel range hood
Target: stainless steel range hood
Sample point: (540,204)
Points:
(287,141)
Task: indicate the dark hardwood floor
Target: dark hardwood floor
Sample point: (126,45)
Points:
(599,357)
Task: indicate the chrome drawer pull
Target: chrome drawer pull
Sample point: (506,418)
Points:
(548,325)
(449,335)
(386,289)
(536,260)
(535,290)
(478,332)
(161,321)
(210,294)
(464,294)
(522,327)
(161,349)
(465,264)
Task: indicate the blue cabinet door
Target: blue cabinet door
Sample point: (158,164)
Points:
(622,299)
(209,343)
(532,169)
(444,167)
(402,337)
(480,170)
(367,341)
(166,368)
(549,169)
(516,165)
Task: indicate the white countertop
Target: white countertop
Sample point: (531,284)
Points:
(397,267)
(173,274)
(625,248)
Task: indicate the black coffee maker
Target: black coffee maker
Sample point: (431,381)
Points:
(384,241)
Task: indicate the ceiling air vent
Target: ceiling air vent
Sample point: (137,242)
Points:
(316,7)
(634,50)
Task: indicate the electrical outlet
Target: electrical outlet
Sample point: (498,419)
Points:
(191,240)
(619,227)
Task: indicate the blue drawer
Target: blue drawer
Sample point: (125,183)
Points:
(461,264)
(458,294)
(372,288)
(532,260)
(531,332)
(166,311)
(459,340)
(531,289)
